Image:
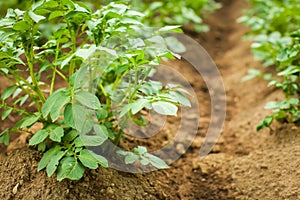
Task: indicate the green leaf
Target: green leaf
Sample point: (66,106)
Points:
(175,45)
(271,105)
(266,122)
(53,163)
(22,26)
(144,161)
(23,99)
(42,146)
(141,122)
(123,153)
(180,98)
(48,4)
(70,168)
(80,6)
(101,131)
(36,18)
(88,99)
(68,116)
(191,15)
(111,134)
(289,71)
(87,159)
(293,101)
(85,53)
(260,125)
(125,109)
(89,140)
(252,73)
(70,136)
(29,121)
(138,105)
(4,137)
(50,102)
(38,137)
(8,92)
(157,39)
(5,71)
(131,158)
(156,161)
(80,78)
(165,108)
(56,14)
(101,114)
(170,28)
(83,118)
(140,150)
(60,103)
(55,103)
(6,113)
(100,159)
(57,134)
(134,13)
(66,61)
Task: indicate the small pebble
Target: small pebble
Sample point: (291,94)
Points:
(15,189)
(180,149)
(264,166)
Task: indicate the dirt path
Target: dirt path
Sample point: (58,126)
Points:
(261,166)
(243,165)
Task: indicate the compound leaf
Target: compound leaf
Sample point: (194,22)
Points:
(88,99)
(156,161)
(39,137)
(47,157)
(70,168)
(53,163)
(165,108)
(87,159)
(57,134)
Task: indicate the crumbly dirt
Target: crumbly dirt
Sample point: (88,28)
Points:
(244,164)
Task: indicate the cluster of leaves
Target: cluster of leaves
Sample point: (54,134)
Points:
(172,12)
(276,35)
(4,5)
(188,13)
(103,60)
(156,13)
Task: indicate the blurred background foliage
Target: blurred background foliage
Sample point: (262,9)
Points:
(188,13)
(5,4)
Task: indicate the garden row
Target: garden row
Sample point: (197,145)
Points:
(276,42)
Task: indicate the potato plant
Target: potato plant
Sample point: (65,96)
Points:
(187,13)
(82,76)
(275,32)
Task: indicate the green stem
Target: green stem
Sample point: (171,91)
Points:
(18,79)
(55,66)
(102,89)
(73,40)
(118,137)
(29,53)
(136,86)
(108,104)
(34,80)
(14,108)
(118,79)
(61,75)
(53,80)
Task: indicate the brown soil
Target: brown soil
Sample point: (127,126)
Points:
(244,164)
